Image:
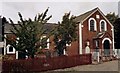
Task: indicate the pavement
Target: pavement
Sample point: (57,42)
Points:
(105,66)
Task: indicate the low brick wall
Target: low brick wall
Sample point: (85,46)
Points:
(33,65)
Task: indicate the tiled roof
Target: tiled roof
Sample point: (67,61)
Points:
(47,26)
(81,17)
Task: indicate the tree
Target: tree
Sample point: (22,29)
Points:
(117,33)
(28,34)
(4,21)
(113,18)
(65,33)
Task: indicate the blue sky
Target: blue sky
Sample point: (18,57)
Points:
(57,9)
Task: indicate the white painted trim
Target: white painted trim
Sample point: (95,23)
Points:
(88,16)
(8,52)
(4,44)
(95,25)
(113,38)
(16,55)
(104,17)
(104,25)
(80,38)
(106,39)
(64,52)
(101,14)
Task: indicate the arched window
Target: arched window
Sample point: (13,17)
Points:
(92,24)
(103,26)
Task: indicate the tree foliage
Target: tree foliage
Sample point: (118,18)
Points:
(65,33)
(28,33)
(117,33)
(3,22)
(113,18)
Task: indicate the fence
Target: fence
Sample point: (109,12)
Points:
(117,53)
(46,64)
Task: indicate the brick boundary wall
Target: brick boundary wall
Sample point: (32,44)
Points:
(38,65)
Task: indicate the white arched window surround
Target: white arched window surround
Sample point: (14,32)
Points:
(106,39)
(95,25)
(105,25)
(10,52)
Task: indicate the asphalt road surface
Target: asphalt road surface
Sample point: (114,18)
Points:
(105,66)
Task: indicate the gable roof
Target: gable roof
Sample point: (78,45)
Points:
(81,18)
(47,26)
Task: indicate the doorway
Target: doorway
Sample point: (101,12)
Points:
(106,47)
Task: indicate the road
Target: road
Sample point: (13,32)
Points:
(105,66)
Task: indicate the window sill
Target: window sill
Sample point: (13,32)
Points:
(10,52)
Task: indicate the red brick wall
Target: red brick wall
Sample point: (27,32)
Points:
(88,35)
(71,50)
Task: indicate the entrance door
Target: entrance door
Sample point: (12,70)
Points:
(106,47)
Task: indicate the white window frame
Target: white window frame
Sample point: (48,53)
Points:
(48,44)
(105,25)
(95,25)
(8,52)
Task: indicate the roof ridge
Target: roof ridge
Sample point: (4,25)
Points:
(84,15)
(89,11)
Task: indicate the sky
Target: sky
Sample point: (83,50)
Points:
(119,8)
(57,9)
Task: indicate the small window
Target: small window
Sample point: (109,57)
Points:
(103,26)
(97,16)
(97,43)
(10,49)
(45,42)
(92,24)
